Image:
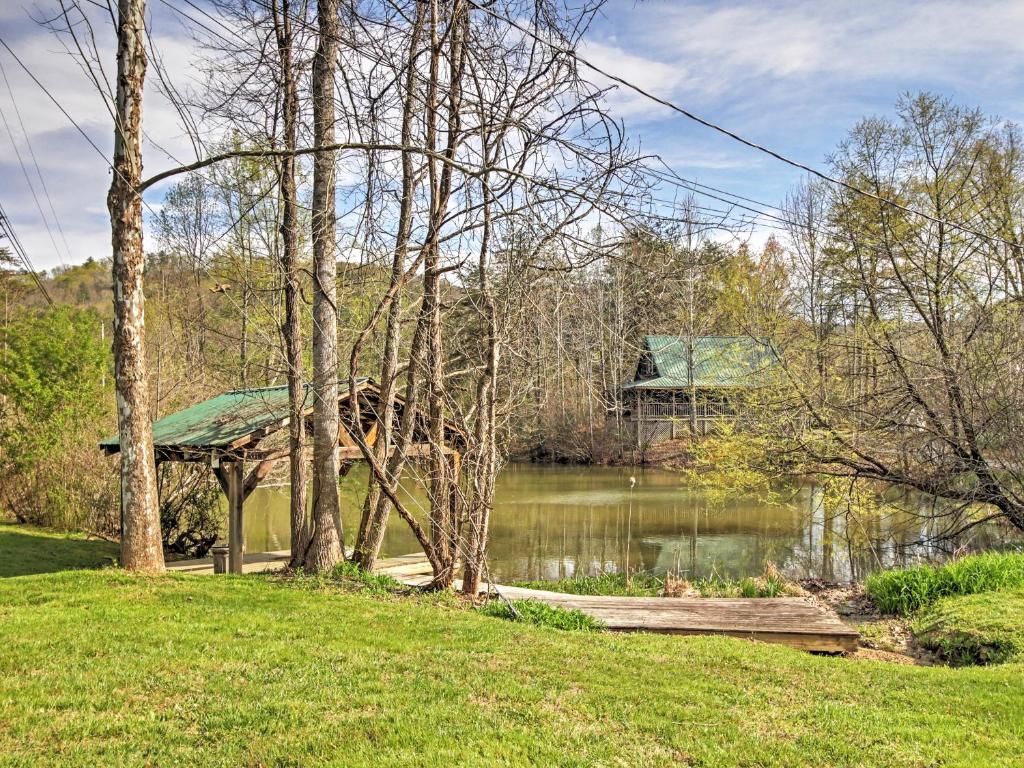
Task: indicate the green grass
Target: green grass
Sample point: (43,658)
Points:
(615,584)
(986,628)
(765,586)
(102,668)
(374,583)
(908,590)
(25,550)
(769,584)
(541,615)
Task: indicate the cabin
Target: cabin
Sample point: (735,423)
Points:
(702,380)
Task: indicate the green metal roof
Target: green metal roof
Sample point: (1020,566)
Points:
(221,420)
(718,361)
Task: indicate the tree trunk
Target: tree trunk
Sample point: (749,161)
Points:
(141,544)
(325,548)
(375,512)
(292,330)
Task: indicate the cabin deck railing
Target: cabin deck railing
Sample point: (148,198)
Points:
(665,411)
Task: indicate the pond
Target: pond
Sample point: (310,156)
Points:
(551,522)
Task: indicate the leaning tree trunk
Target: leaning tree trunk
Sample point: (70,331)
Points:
(486,466)
(141,543)
(324,550)
(375,512)
(292,330)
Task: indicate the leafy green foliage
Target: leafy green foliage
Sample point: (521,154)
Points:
(542,615)
(191,513)
(908,590)
(53,405)
(985,628)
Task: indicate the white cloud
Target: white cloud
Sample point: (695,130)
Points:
(726,45)
(793,74)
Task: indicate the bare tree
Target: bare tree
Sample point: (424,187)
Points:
(325,544)
(141,543)
(924,388)
(292,327)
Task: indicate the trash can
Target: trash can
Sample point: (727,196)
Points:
(220,558)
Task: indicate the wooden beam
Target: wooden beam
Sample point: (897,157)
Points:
(256,476)
(344,438)
(236,542)
(416,451)
(222,480)
(371,436)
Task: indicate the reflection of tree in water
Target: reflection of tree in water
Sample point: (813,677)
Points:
(553,523)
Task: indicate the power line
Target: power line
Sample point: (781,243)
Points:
(39,173)
(7,231)
(732,134)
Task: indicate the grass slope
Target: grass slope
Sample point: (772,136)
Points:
(985,628)
(104,668)
(25,550)
(907,590)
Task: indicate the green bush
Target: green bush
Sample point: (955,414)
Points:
(541,614)
(55,401)
(191,515)
(985,628)
(908,590)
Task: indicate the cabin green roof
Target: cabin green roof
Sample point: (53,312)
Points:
(718,362)
(222,420)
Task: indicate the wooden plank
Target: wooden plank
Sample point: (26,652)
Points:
(792,621)
(257,562)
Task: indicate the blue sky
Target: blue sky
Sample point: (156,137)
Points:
(795,76)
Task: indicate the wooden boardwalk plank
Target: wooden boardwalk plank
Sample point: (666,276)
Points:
(792,621)
(257,562)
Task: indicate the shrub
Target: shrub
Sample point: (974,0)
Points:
(541,614)
(190,509)
(53,412)
(908,590)
(985,628)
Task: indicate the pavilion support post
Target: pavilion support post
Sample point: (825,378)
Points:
(236,498)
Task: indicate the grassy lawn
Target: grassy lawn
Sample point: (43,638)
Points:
(984,628)
(103,668)
(25,550)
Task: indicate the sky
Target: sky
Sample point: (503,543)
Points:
(793,75)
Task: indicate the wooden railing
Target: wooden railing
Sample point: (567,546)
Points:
(661,411)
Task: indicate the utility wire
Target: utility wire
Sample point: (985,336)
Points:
(732,134)
(35,161)
(7,230)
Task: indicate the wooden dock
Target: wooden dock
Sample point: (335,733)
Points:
(792,621)
(257,562)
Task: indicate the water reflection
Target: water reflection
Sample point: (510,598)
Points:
(553,522)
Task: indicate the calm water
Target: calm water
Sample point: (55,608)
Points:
(552,522)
